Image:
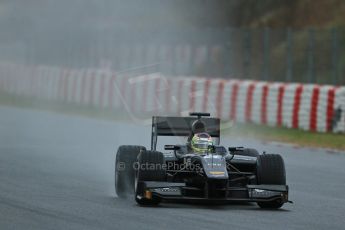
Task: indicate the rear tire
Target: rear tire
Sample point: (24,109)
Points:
(271,170)
(158,173)
(126,156)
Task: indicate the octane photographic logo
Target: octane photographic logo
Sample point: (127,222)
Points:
(171,166)
(120,166)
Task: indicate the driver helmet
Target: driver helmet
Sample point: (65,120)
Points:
(200,143)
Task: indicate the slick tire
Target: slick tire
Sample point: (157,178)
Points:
(126,157)
(146,173)
(271,170)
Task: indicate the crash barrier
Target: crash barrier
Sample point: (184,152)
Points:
(304,106)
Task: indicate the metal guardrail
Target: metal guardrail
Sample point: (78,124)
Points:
(306,56)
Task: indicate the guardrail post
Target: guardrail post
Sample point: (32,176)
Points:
(289,63)
(311,48)
(246,52)
(228,62)
(266,47)
(334,34)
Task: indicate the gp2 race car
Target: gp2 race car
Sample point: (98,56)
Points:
(218,175)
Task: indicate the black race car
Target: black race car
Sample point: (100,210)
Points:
(233,174)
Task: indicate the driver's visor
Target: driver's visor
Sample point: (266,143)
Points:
(203,144)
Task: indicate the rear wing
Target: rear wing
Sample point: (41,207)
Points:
(181,126)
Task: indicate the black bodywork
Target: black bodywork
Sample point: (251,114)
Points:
(222,174)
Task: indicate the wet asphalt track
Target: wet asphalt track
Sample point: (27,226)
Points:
(56,172)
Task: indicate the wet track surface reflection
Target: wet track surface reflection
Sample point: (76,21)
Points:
(56,172)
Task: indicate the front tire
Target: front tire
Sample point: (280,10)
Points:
(144,173)
(126,156)
(271,170)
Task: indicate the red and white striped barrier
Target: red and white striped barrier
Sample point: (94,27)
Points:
(304,106)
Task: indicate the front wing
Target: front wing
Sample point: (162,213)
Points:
(250,193)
